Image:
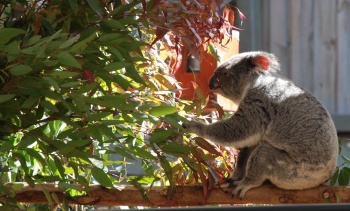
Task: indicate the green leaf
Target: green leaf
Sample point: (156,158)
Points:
(162,110)
(74,5)
(70,84)
(116,66)
(173,120)
(36,155)
(63,74)
(30,101)
(47,195)
(169,174)
(30,181)
(6,34)
(59,166)
(67,59)
(51,81)
(21,158)
(134,74)
(147,167)
(81,45)
(101,177)
(6,146)
(143,153)
(95,5)
(112,24)
(94,131)
(138,186)
(212,50)
(344,177)
(69,42)
(123,8)
(121,81)
(123,153)
(55,198)
(346,159)
(4,98)
(49,106)
(21,69)
(160,135)
(33,40)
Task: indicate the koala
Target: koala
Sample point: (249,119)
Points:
(283,133)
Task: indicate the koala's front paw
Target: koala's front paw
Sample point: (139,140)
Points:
(192,126)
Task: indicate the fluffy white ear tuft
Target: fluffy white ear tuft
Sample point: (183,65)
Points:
(262,62)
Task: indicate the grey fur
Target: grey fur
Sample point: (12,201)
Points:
(284,134)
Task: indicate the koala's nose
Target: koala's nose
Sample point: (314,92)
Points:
(214,82)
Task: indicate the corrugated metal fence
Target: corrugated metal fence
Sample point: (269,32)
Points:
(312,40)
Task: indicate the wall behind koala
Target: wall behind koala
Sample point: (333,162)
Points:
(312,40)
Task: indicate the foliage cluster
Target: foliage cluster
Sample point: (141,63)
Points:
(80,82)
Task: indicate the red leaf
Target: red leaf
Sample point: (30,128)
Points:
(218,108)
(229,15)
(88,76)
(207,146)
(204,181)
(155,3)
(160,32)
(241,15)
(144,6)
(37,23)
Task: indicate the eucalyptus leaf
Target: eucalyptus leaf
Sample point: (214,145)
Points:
(160,135)
(162,110)
(6,34)
(4,98)
(101,177)
(20,70)
(67,59)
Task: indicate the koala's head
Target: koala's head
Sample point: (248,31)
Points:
(233,78)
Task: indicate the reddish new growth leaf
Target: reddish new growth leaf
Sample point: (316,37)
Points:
(160,32)
(144,6)
(88,76)
(194,23)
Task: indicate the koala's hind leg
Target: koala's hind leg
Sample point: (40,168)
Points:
(241,165)
(260,166)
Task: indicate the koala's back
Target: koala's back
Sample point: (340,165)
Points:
(296,122)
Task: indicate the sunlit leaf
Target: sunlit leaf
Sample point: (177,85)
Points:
(212,51)
(174,148)
(162,110)
(101,177)
(207,146)
(160,135)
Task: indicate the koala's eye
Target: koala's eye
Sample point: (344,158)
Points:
(225,73)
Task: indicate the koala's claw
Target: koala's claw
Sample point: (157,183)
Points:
(236,190)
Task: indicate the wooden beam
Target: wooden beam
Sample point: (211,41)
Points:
(185,196)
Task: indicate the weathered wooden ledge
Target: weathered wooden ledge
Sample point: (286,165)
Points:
(185,195)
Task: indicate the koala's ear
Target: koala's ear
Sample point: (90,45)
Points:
(262,62)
